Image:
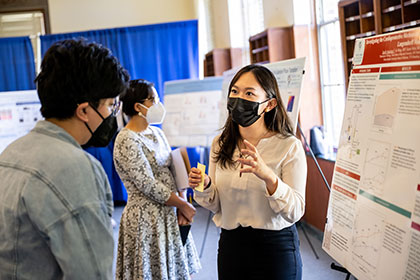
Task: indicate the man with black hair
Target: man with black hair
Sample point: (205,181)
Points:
(56,202)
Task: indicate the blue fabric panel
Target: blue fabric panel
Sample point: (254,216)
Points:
(198,155)
(157,52)
(17,64)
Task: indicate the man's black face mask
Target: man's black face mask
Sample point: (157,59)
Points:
(104,133)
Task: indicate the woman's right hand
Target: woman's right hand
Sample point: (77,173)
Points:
(187,210)
(194,178)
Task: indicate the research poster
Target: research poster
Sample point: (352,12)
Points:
(192,111)
(19,111)
(373,219)
(289,76)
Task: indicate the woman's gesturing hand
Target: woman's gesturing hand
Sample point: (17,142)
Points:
(253,163)
(194,178)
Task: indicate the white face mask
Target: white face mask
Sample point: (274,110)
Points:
(155,114)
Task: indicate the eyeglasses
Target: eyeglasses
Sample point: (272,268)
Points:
(154,99)
(115,107)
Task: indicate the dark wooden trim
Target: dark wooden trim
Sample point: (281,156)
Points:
(317,194)
(19,6)
(378,16)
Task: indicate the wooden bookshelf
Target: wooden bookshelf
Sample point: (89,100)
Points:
(219,60)
(364,18)
(273,44)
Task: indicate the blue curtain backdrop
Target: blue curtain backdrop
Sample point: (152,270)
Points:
(158,53)
(17,65)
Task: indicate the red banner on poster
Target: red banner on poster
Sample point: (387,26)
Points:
(406,68)
(366,70)
(400,46)
(345,192)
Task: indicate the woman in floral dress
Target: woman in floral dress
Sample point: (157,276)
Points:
(149,243)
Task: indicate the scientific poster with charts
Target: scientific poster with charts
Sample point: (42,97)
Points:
(373,220)
(19,112)
(289,75)
(192,111)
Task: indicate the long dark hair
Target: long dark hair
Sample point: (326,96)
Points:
(276,119)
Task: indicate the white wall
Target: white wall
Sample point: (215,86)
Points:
(220,23)
(278,13)
(81,15)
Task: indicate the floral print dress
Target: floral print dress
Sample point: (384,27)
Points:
(149,243)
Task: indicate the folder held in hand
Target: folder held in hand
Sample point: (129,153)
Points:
(180,167)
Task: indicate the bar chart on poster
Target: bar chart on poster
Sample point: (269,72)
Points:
(19,112)
(373,220)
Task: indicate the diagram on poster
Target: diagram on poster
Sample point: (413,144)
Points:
(386,107)
(349,140)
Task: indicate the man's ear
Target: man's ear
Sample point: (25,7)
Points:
(80,112)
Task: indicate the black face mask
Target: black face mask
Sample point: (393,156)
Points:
(104,133)
(244,112)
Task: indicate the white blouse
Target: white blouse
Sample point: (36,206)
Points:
(244,201)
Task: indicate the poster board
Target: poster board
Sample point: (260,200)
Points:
(19,112)
(373,218)
(289,76)
(192,111)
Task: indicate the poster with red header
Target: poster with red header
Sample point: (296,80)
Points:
(373,219)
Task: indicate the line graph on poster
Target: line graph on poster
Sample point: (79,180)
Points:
(375,168)
(367,240)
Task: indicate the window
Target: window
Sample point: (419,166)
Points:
(332,69)
(205,31)
(246,18)
(24,24)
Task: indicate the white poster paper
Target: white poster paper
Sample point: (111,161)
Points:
(192,106)
(19,112)
(373,222)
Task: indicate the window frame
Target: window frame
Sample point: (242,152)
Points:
(333,133)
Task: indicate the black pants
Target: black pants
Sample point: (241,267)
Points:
(247,253)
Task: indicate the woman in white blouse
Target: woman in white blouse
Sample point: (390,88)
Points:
(256,182)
